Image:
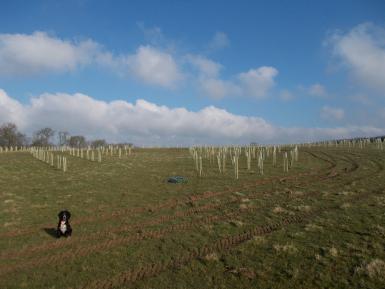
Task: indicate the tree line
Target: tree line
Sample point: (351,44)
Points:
(11,136)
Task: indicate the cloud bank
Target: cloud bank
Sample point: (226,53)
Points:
(39,53)
(145,123)
(254,83)
(362,51)
(154,67)
(22,54)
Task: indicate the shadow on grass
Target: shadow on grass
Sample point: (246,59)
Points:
(51,232)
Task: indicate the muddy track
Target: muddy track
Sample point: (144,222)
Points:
(110,232)
(331,173)
(379,168)
(223,244)
(115,242)
(347,156)
(154,269)
(172,203)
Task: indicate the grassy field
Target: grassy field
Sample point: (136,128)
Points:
(321,225)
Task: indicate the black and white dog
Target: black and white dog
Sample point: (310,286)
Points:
(64,227)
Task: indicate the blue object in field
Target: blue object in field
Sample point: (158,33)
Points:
(177,180)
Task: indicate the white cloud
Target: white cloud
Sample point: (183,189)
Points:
(206,67)
(146,123)
(154,67)
(257,82)
(219,41)
(332,113)
(22,54)
(317,90)
(208,77)
(10,109)
(362,51)
(217,88)
(254,83)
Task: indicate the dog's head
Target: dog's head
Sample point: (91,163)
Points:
(64,216)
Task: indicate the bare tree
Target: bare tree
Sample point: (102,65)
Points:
(99,143)
(77,141)
(63,137)
(43,136)
(10,136)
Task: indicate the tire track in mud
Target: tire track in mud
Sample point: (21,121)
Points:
(151,270)
(113,243)
(49,245)
(356,165)
(159,220)
(108,233)
(154,269)
(332,173)
(333,164)
(172,203)
(376,162)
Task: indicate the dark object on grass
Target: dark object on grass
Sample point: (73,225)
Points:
(64,227)
(177,180)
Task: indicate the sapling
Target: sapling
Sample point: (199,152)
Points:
(219,162)
(99,156)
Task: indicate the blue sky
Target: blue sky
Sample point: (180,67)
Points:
(216,72)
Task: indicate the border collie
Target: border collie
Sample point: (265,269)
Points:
(64,227)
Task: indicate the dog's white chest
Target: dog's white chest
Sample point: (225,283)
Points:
(63,227)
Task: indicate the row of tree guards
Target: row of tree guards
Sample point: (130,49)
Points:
(260,153)
(110,150)
(119,150)
(220,155)
(89,153)
(56,161)
(53,155)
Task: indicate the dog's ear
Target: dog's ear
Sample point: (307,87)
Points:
(60,215)
(68,215)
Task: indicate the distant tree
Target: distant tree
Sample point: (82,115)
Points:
(43,136)
(77,141)
(10,136)
(99,143)
(63,137)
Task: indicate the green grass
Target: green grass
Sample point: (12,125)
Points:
(125,217)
